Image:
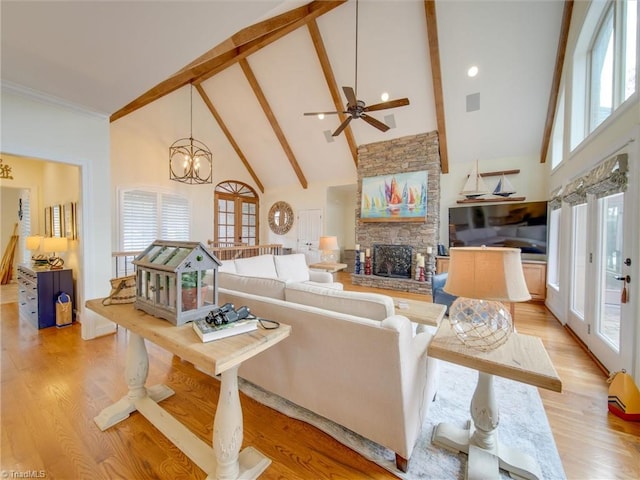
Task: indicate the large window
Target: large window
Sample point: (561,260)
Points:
(612,61)
(146,216)
(604,65)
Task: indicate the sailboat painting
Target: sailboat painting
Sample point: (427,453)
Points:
(394,198)
(503,187)
(474,186)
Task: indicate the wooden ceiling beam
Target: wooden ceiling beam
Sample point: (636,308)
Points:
(557,76)
(330,78)
(241,45)
(230,138)
(251,47)
(436,75)
(257,90)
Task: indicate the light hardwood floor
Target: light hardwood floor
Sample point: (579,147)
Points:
(53,383)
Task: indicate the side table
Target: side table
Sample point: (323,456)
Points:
(522,358)
(422,313)
(332,268)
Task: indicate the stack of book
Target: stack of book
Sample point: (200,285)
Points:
(208,332)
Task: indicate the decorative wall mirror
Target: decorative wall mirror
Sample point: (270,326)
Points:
(280,218)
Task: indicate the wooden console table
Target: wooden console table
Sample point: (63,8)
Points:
(220,357)
(332,268)
(522,358)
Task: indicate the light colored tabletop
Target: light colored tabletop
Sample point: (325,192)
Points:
(522,358)
(425,313)
(329,267)
(212,357)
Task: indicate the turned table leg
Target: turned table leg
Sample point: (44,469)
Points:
(480,441)
(136,372)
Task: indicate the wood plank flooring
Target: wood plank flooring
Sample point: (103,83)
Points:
(53,383)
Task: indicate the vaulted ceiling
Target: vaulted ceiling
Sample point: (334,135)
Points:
(257,66)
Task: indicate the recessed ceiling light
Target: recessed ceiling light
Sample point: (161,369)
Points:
(473,71)
(384,97)
(321,116)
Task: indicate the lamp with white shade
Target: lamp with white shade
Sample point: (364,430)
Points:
(55,245)
(329,248)
(33,243)
(482,278)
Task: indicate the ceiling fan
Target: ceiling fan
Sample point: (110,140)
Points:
(357,108)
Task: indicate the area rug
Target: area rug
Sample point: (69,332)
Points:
(523,425)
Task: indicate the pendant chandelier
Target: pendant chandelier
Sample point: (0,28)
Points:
(190,159)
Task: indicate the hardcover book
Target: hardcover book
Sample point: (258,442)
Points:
(208,332)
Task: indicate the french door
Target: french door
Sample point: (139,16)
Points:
(600,307)
(236,217)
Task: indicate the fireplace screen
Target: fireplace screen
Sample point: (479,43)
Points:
(392,261)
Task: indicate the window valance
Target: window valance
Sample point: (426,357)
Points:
(556,199)
(607,178)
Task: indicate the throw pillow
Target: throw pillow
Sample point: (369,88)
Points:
(292,268)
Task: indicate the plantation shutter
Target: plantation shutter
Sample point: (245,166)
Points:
(174,218)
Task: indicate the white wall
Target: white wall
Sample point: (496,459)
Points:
(619,133)
(39,127)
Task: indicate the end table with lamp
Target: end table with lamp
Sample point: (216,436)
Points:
(480,335)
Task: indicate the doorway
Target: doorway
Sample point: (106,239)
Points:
(601,308)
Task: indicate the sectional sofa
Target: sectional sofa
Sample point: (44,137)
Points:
(350,358)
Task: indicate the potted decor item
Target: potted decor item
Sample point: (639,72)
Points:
(190,289)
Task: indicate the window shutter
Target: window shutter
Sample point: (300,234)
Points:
(174,218)
(139,219)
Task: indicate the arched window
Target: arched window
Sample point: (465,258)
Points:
(237,212)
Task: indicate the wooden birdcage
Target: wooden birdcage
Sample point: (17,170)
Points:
(177,281)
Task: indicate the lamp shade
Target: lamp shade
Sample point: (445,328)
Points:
(33,242)
(55,244)
(487,273)
(328,243)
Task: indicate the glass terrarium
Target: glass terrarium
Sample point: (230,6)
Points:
(177,281)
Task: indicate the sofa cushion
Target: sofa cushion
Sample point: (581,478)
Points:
(265,287)
(367,305)
(292,268)
(260,266)
(227,266)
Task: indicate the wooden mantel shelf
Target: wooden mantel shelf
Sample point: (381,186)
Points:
(492,199)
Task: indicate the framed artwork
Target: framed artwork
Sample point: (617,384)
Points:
(69,210)
(398,197)
(47,221)
(57,222)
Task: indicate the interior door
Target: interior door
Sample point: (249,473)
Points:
(309,231)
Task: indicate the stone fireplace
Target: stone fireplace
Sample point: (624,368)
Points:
(392,261)
(406,154)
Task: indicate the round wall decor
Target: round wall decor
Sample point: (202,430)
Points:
(280,218)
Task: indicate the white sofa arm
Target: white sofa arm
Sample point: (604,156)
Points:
(320,277)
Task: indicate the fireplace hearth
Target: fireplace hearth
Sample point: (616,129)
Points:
(392,261)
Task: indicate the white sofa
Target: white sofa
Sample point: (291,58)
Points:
(349,358)
(289,268)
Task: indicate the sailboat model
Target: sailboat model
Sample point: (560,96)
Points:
(504,187)
(475,186)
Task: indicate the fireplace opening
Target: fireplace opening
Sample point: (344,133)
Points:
(393,261)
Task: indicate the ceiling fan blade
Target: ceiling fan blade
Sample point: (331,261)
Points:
(376,123)
(401,102)
(342,126)
(351,96)
(321,113)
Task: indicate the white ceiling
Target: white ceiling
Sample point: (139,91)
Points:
(102,55)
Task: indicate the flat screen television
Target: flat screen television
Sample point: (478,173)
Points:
(521,225)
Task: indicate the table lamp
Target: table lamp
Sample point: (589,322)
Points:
(32,243)
(53,245)
(328,246)
(482,278)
